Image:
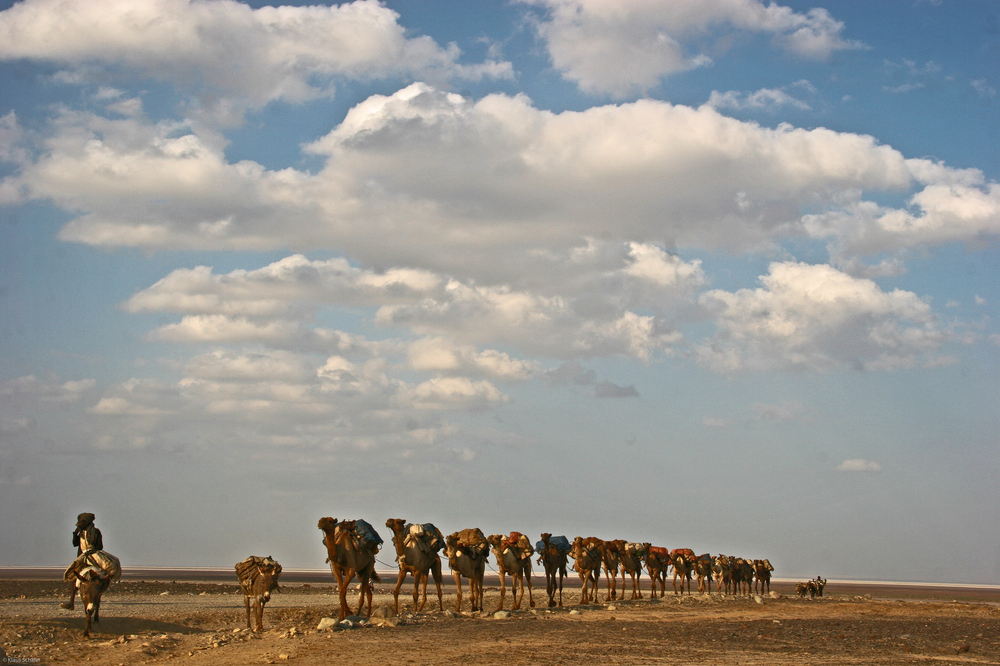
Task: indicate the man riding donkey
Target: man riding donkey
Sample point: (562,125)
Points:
(90,554)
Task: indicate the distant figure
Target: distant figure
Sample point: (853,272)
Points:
(90,554)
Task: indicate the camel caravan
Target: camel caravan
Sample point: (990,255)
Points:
(352,546)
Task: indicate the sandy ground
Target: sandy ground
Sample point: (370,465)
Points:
(205,623)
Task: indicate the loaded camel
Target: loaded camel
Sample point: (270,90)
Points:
(611,560)
(467,552)
(513,555)
(702,568)
(349,555)
(587,555)
(632,555)
(742,577)
(722,568)
(681,559)
(762,574)
(657,563)
(417,549)
(552,555)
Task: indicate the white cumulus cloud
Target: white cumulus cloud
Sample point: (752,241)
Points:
(624,48)
(229,49)
(814,317)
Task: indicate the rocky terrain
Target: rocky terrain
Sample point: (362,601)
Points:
(205,623)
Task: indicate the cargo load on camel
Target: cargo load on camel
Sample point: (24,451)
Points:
(367,534)
(473,539)
(426,537)
(560,543)
(516,539)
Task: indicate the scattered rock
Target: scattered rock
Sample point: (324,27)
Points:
(757,599)
(385,610)
(774,595)
(501,615)
(961,647)
(612,607)
(575,612)
(326,624)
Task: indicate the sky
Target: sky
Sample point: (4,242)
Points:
(720,275)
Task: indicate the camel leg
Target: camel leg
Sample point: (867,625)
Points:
(361,597)
(531,599)
(343,580)
(436,570)
(517,583)
(395,592)
(503,588)
(458,586)
(246,600)
(423,581)
(477,595)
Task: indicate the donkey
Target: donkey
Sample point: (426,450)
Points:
(264,582)
(92,582)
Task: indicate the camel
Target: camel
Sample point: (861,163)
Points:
(742,576)
(657,563)
(467,552)
(611,560)
(762,575)
(417,549)
(632,556)
(513,555)
(702,568)
(682,568)
(349,555)
(588,559)
(722,568)
(552,555)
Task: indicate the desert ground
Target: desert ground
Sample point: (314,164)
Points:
(204,622)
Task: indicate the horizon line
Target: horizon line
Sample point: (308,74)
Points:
(218,570)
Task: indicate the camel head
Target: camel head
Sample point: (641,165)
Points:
(495,540)
(395,524)
(328,524)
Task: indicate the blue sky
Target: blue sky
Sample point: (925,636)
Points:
(718,275)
